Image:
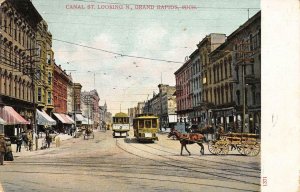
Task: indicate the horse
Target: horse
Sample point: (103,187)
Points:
(186,139)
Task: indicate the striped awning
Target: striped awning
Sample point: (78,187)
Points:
(44,119)
(65,119)
(11,117)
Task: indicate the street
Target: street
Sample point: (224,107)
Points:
(117,164)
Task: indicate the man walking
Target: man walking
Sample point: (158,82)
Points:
(2,148)
(19,143)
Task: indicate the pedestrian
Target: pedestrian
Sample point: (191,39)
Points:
(2,148)
(48,139)
(19,143)
(30,140)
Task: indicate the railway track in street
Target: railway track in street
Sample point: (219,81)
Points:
(167,159)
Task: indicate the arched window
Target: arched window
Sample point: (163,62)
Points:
(225,68)
(229,66)
(221,70)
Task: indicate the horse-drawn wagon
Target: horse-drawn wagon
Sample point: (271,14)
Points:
(88,133)
(245,143)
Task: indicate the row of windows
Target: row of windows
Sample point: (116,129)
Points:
(14,29)
(15,88)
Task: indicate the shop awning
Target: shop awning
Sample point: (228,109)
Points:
(87,121)
(65,119)
(70,119)
(44,119)
(79,117)
(11,117)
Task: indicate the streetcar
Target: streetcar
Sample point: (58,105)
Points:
(146,127)
(120,126)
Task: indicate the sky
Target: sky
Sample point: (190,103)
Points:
(96,45)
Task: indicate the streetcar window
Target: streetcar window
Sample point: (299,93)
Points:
(148,124)
(135,123)
(120,120)
(141,123)
(154,123)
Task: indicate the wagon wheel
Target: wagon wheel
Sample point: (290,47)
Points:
(252,149)
(212,147)
(223,147)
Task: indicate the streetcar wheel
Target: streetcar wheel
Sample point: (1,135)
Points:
(212,147)
(252,149)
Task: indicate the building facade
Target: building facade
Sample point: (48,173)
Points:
(183,77)
(44,69)
(90,106)
(61,80)
(206,46)
(18,28)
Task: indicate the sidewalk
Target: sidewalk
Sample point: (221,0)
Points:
(25,152)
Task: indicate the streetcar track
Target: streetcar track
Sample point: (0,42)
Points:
(216,162)
(182,167)
(129,177)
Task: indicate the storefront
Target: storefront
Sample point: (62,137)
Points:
(44,121)
(14,122)
(64,123)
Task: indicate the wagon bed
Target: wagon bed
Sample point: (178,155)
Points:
(245,143)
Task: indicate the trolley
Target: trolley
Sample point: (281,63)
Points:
(120,126)
(146,127)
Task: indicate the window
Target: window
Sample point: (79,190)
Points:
(141,123)
(154,123)
(148,123)
(49,78)
(39,94)
(49,97)
(38,74)
(48,59)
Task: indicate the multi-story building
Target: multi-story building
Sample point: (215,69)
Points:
(102,115)
(18,28)
(206,46)
(162,104)
(196,86)
(168,105)
(70,95)
(44,68)
(90,100)
(184,92)
(61,80)
(247,73)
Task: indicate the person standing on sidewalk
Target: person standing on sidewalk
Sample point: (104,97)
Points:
(19,143)
(2,148)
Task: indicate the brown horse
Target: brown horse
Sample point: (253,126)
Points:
(186,139)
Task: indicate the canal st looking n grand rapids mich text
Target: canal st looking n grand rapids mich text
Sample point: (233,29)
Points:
(129,7)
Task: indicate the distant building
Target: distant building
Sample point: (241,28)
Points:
(90,106)
(162,105)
